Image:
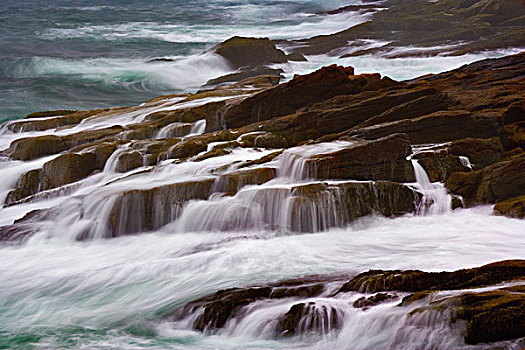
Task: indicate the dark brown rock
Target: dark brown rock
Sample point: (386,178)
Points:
(480,152)
(234,181)
(67,168)
(437,127)
(35,147)
(498,182)
(224,305)
(439,164)
(513,208)
(309,318)
(365,303)
(148,209)
(288,97)
(382,159)
(253,52)
(415,281)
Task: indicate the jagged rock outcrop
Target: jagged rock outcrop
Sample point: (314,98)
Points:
(289,97)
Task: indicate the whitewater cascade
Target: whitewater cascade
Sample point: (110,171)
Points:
(226,221)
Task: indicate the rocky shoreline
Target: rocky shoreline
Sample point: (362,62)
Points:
(314,153)
(473,116)
(318,303)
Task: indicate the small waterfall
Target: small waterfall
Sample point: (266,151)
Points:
(296,163)
(111,164)
(198,128)
(175,130)
(436,200)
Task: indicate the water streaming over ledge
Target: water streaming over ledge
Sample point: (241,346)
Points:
(201,238)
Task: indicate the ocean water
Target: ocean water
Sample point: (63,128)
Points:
(84,54)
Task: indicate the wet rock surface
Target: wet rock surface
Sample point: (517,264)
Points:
(490,315)
(415,281)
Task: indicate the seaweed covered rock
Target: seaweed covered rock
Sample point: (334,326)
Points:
(514,207)
(493,316)
(365,303)
(375,281)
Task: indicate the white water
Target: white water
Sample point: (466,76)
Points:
(436,200)
(114,293)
